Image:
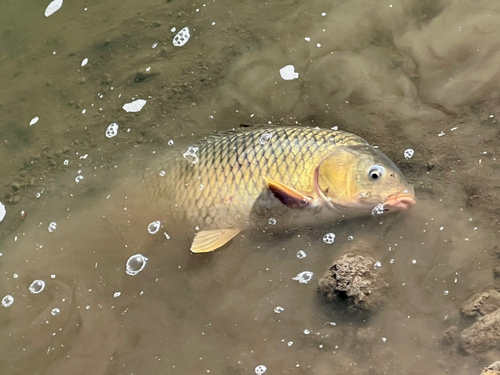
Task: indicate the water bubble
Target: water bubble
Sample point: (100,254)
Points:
(181,37)
(78,178)
(117,294)
(134,106)
(190,155)
(446,292)
(37,286)
(278,309)
(378,209)
(135,264)
(301,254)
(350,238)
(162,173)
(53,7)
(384,339)
(377,265)
(272,221)
(84,61)
(111,130)
(414,261)
(52,226)
(55,311)
(260,369)
(266,137)
(7,301)
(154,227)
(289,343)
(329,238)
(304,277)
(408,154)
(306,332)
(66,162)
(288,73)
(34,120)
(170,143)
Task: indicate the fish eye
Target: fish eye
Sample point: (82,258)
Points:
(376,172)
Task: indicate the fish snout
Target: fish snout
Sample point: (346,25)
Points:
(401,200)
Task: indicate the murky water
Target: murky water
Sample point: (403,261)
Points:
(95,281)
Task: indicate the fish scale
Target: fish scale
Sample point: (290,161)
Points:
(226,187)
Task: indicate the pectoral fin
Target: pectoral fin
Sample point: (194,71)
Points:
(287,195)
(209,240)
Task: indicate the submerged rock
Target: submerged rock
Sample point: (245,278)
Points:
(481,304)
(483,335)
(355,280)
(493,369)
(449,336)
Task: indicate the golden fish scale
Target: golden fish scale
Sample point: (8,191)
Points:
(227,182)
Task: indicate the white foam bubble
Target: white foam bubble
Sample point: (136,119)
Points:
(111,130)
(304,277)
(301,254)
(135,264)
(7,301)
(260,369)
(53,7)
(181,37)
(288,73)
(154,227)
(134,106)
(37,286)
(378,209)
(34,120)
(190,155)
(3,211)
(84,61)
(329,238)
(266,137)
(408,154)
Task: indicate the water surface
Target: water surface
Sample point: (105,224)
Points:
(404,75)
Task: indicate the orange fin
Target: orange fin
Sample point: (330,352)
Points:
(209,240)
(287,195)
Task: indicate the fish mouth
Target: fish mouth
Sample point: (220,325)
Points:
(400,201)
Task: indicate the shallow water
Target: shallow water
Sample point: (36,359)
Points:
(402,74)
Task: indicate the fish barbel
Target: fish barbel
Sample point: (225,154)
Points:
(231,180)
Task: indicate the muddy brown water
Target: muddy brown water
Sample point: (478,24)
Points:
(402,74)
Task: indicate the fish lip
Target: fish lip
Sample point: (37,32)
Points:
(400,201)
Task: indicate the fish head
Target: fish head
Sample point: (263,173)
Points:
(361,178)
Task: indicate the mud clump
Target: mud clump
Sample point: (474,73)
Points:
(493,369)
(481,304)
(354,280)
(483,335)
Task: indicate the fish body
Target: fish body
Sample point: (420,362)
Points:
(293,174)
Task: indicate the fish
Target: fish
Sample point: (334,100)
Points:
(296,175)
